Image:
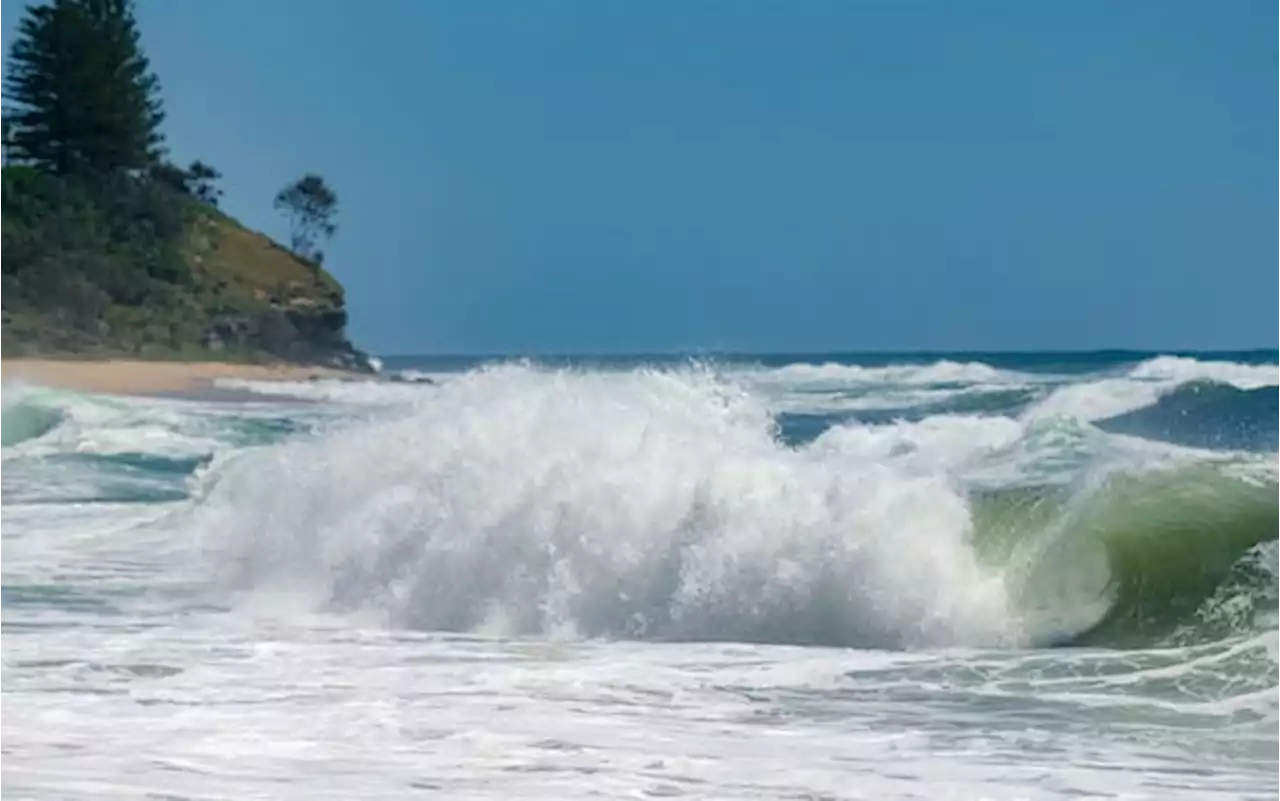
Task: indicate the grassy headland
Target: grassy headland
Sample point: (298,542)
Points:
(145,272)
(112,251)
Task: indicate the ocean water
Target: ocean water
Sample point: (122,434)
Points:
(926,576)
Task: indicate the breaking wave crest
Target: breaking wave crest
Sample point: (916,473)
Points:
(834,375)
(1133,559)
(646,504)
(1145,384)
(661,504)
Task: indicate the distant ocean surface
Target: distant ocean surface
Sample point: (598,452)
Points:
(822,576)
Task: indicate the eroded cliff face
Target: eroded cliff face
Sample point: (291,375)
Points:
(260,298)
(300,335)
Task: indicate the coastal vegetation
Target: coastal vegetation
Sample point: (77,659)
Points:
(311,207)
(110,247)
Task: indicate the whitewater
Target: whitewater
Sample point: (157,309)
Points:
(899,576)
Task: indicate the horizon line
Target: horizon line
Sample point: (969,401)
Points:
(827,352)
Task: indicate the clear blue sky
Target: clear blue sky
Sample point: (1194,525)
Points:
(577,175)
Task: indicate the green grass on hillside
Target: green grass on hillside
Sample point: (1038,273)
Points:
(241,270)
(133,269)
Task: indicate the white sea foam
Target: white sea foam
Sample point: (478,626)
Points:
(645,503)
(940,444)
(832,375)
(1144,384)
(821,388)
(870,399)
(364,392)
(91,424)
(1180,369)
(833,388)
(798,388)
(652,503)
(1097,400)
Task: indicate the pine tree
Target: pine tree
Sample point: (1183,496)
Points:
(85,99)
(6,127)
(197,181)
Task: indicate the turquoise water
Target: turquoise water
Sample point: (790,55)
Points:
(921,576)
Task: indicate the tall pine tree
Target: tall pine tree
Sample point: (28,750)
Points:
(84,97)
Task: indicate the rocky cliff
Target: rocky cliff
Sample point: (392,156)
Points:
(257,297)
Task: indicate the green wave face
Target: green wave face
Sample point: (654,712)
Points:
(1135,560)
(27,419)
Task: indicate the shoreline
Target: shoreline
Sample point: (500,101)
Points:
(141,377)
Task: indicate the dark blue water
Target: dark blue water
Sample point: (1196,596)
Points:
(1057,362)
(1199,412)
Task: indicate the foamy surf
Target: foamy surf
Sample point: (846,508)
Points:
(530,579)
(646,504)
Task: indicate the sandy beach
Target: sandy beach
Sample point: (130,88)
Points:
(135,377)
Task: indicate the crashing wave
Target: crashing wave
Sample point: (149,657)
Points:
(662,505)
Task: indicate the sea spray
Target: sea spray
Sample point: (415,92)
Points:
(654,504)
(661,504)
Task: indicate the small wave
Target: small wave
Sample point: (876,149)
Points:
(892,392)
(1205,414)
(833,375)
(28,414)
(1095,400)
(1144,384)
(114,427)
(358,392)
(936,444)
(67,446)
(876,405)
(415,377)
(1181,369)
